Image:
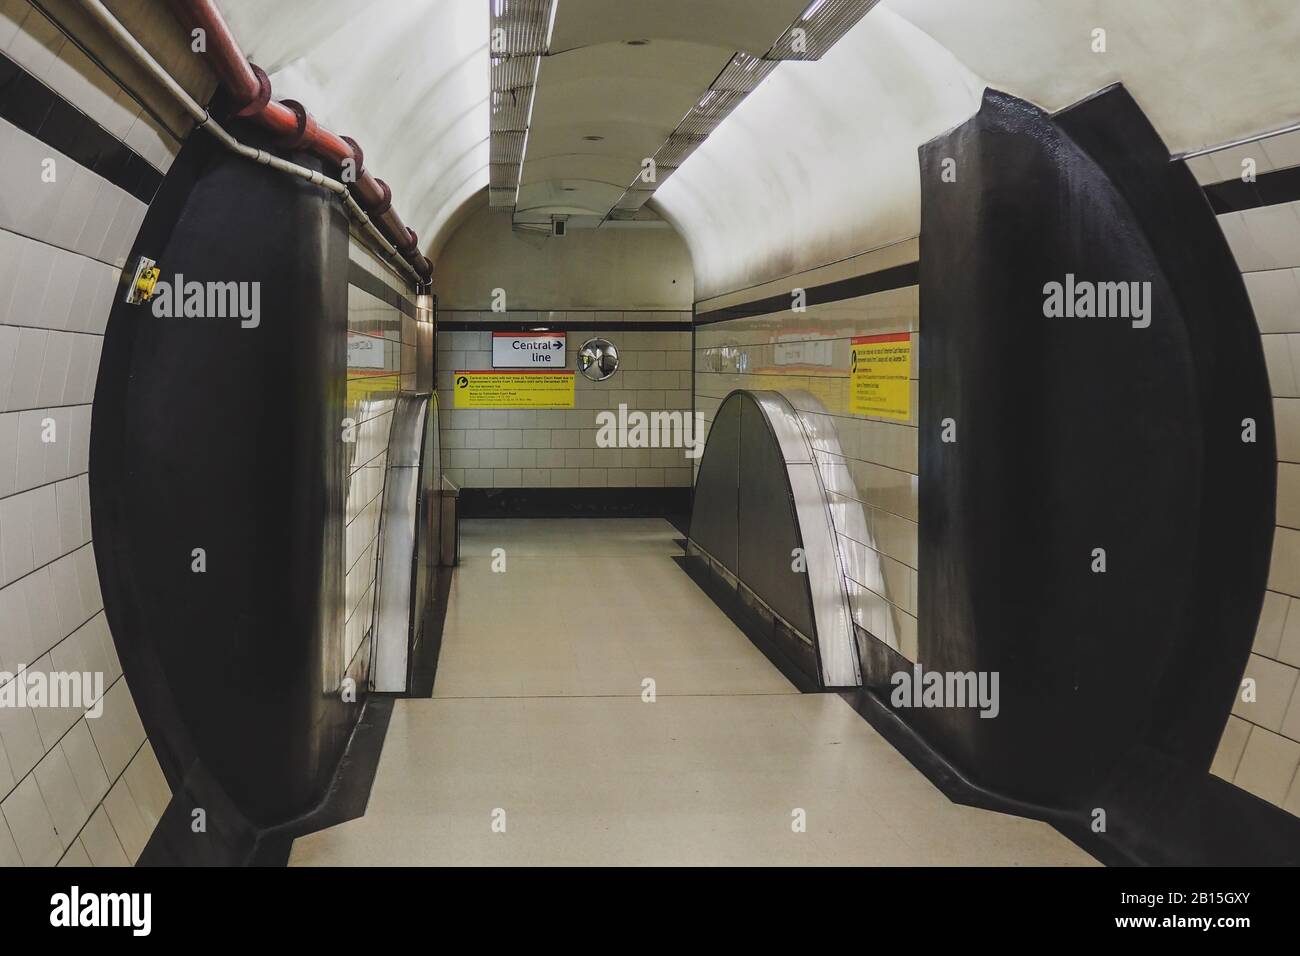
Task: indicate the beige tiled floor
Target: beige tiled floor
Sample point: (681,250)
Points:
(537,712)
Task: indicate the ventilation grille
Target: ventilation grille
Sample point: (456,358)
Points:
(508,147)
(743,74)
(503,176)
(513,73)
(519,34)
(713,107)
(677,148)
(521,27)
(818,29)
(510,110)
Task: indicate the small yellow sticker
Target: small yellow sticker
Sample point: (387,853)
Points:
(880,376)
(519,389)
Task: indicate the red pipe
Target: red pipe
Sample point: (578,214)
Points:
(295,128)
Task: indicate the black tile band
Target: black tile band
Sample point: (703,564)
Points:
(1270,189)
(39,111)
(368,282)
(618,502)
(481,326)
(897,277)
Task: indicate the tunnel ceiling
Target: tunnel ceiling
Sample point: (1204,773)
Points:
(816,165)
(819,163)
(594,83)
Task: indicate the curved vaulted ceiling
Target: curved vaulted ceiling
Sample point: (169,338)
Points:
(407,79)
(595,83)
(817,164)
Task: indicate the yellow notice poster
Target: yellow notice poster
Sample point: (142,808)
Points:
(879,377)
(518,389)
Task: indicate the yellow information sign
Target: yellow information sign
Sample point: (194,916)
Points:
(516,389)
(880,376)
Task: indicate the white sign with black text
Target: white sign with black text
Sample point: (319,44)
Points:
(528,349)
(365,351)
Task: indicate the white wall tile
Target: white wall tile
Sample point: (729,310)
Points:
(75,856)
(1268,765)
(25,383)
(42,613)
(1274,684)
(9,336)
(148,786)
(1272,620)
(22,741)
(1282,151)
(1275,299)
(118,733)
(52,722)
(1276,234)
(60,290)
(17,555)
(44,524)
(30,825)
(8,454)
(83,760)
(130,827)
(101,842)
(63,800)
(1277,359)
(9,855)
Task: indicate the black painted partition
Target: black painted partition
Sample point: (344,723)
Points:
(745,524)
(1098,533)
(225,435)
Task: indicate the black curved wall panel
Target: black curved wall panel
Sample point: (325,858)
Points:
(744,517)
(215,436)
(1075,434)
(768,528)
(714,512)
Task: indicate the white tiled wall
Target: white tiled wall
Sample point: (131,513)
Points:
(527,448)
(33,42)
(73,787)
(1260,749)
(872,476)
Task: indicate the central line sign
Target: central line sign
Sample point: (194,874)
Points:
(528,350)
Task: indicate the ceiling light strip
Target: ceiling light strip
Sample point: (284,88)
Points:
(819,27)
(520,35)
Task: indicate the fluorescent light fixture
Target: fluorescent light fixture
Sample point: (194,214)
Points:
(519,184)
(550,27)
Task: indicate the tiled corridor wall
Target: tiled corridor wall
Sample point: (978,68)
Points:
(872,476)
(74,788)
(381,363)
(527,448)
(1260,749)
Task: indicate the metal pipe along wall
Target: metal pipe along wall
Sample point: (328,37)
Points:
(250,89)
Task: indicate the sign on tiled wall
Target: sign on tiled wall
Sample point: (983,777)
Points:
(528,349)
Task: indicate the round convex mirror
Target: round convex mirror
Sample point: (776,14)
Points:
(598,359)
